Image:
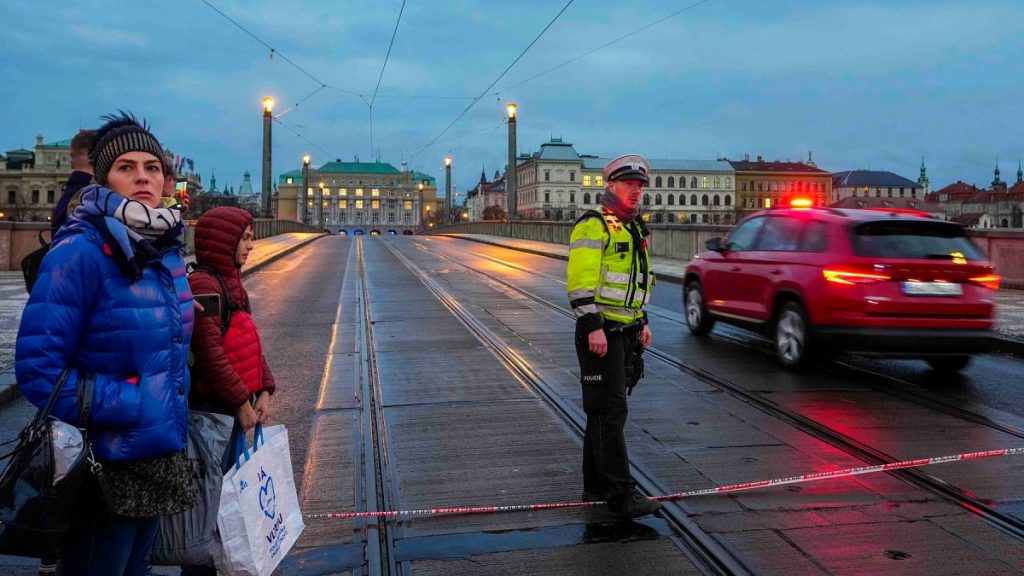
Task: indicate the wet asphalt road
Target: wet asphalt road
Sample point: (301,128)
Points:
(993,380)
(296,303)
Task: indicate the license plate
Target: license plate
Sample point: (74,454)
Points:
(932,289)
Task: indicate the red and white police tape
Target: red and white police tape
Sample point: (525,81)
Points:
(678,495)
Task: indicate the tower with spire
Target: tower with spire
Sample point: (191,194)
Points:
(246,188)
(997,182)
(923,178)
(1020,172)
(213,181)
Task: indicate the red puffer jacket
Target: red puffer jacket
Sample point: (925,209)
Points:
(227,368)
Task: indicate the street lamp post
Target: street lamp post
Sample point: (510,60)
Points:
(268,105)
(420,207)
(305,189)
(318,205)
(510,172)
(448,187)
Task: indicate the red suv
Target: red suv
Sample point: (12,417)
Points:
(885,283)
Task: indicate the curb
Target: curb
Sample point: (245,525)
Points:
(282,253)
(8,388)
(665,276)
(1008,346)
(510,247)
(8,385)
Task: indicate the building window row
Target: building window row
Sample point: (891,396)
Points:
(705,200)
(775,186)
(703,183)
(889,192)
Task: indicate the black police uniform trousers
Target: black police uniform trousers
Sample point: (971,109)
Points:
(605,461)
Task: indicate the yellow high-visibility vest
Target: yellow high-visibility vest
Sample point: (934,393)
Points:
(609,268)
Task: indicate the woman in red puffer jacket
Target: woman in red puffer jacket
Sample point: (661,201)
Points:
(230,369)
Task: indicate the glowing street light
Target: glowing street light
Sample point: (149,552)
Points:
(448,186)
(268,105)
(510,172)
(305,189)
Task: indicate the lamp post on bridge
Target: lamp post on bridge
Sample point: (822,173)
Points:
(511,195)
(448,188)
(305,190)
(268,105)
(318,205)
(420,206)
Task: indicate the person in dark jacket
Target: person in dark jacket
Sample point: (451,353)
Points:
(113,309)
(81,176)
(231,373)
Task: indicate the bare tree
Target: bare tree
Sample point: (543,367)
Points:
(493,212)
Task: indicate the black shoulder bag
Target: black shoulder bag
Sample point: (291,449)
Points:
(32,261)
(38,494)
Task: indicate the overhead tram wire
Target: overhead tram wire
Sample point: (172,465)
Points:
(603,46)
(382,68)
(388,55)
(307,140)
(274,51)
(500,76)
(296,105)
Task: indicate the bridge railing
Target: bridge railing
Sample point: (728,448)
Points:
(17,239)
(1004,247)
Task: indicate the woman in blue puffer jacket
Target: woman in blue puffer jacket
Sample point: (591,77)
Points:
(112,306)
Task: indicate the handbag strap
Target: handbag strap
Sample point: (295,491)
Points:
(44,412)
(86,384)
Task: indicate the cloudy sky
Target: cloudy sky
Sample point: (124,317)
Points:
(861,84)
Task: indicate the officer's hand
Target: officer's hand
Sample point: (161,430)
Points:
(645,336)
(598,342)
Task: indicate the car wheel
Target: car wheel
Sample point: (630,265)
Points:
(698,320)
(792,336)
(949,363)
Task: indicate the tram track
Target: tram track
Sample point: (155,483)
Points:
(378,480)
(710,556)
(1007,523)
(877,381)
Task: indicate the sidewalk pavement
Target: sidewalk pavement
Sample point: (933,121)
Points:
(13,298)
(1009,303)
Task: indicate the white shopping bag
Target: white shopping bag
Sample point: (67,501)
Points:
(259,517)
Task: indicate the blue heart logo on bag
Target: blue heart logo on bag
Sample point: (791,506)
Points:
(268,500)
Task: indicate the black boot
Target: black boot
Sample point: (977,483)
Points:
(633,506)
(591,496)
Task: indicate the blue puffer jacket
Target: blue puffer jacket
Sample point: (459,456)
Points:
(133,338)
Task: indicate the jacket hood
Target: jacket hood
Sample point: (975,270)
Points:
(218,233)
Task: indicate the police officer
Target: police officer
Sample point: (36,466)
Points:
(609,284)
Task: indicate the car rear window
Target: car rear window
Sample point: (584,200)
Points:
(815,238)
(912,239)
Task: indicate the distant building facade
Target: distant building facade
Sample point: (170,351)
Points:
(762,184)
(873,183)
(558,183)
(871,202)
(487,200)
(31,180)
(999,206)
(363,196)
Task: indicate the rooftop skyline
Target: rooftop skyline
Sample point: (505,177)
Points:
(861,85)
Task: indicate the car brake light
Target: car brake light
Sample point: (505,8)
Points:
(990,281)
(849,277)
